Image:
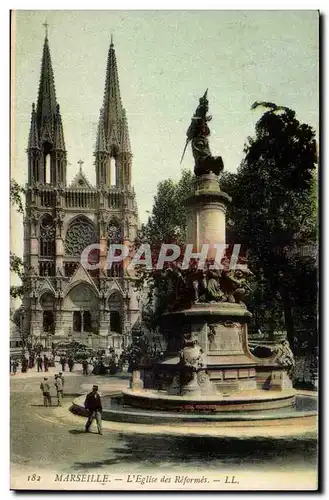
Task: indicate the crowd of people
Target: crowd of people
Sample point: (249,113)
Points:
(42,363)
(99,364)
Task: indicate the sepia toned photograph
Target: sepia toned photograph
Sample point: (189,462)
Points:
(164,250)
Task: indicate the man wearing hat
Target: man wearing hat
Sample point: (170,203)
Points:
(93,404)
(60,375)
(59,389)
(45,388)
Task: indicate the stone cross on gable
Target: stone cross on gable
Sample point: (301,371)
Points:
(80,162)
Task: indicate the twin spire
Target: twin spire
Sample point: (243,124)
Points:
(113,135)
(46,122)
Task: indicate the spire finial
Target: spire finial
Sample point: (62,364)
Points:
(112,45)
(80,162)
(45,24)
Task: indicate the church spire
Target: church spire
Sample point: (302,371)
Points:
(112,101)
(46,104)
(113,151)
(46,147)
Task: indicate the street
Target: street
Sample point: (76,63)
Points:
(54,439)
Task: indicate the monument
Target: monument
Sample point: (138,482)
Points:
(207,372)
(207,359)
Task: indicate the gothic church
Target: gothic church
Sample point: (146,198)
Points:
(65,301)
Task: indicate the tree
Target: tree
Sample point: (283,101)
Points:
(274,214)
(16,193)
(16,263)
(167,222)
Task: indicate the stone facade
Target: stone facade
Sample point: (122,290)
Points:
(65,299)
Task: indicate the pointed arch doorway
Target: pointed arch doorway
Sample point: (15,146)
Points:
(115,305)
(84,309)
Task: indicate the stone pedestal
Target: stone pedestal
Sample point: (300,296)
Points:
(192,387)
(280,381)
(206,214)
(221,332)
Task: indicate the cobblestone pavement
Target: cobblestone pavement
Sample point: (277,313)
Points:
(52,438)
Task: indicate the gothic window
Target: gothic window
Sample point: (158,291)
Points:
(80,234)
(114,237)
(47,237)
(113,172)
(47,246)
(47,169)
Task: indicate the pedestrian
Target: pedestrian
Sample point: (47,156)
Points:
(45,388)
(59,389)
(24,364)
(93,405)
(39,363)
(70,363)
(85,367)
(60,375)
(63,363)
(15,366)
(45,363)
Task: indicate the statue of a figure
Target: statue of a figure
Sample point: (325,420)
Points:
(285,357)
(198,133)
(235,285)
(213,290)
(176,284)
(195,284)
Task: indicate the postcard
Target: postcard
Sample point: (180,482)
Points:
(164,290)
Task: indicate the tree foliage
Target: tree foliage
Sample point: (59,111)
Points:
(274,214)
(17,267)
(167,222)
(17,194)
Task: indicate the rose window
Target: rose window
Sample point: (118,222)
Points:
(80,235)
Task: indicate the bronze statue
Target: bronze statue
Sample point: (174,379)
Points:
(234,284)
(198,133)
(213,292)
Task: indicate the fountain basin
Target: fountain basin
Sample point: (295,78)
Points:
(299,418)
(244,401)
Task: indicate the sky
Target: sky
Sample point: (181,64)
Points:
(166,60)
